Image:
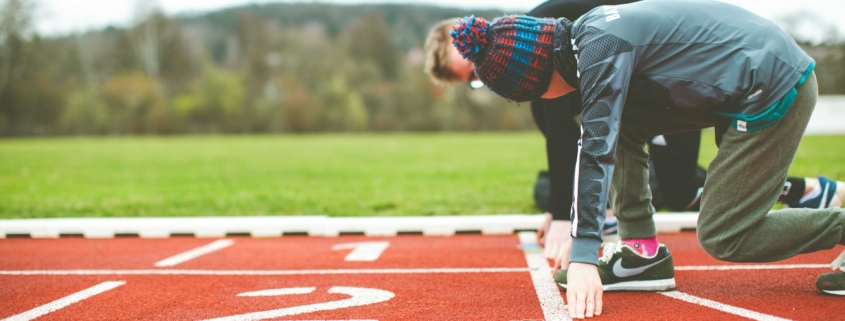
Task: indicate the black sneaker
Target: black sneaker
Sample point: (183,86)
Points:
(621,268)
(834,283)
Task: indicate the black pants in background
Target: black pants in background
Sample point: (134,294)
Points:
(676,176)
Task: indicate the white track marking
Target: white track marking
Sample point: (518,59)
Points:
(66,301)
(749,267)
(195,253)
(359,297)
(277,292)
(721,306)
(375,271)
(364,251)
(541,275)
(265,272)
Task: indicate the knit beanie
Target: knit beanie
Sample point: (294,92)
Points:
(511,55)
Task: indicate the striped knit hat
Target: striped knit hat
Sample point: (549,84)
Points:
(511,55)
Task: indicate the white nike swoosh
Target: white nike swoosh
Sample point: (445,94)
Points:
(622,272)
(824,196)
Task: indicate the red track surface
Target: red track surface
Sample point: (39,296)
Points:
(426,293)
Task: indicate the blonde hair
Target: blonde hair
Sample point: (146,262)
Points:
(438,43)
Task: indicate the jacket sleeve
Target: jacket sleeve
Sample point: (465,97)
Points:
(605,64)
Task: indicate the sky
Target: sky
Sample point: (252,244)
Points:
(58,17)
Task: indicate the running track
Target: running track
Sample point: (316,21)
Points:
(406,277)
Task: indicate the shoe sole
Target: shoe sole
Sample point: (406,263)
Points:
(840,292)
(649,286)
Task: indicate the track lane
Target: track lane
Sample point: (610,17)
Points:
(491,295)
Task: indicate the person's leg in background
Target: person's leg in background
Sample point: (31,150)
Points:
(679,180)
(675,160)
(746,178)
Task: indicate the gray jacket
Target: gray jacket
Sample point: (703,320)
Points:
(658,54)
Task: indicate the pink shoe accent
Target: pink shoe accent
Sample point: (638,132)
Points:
(646,247)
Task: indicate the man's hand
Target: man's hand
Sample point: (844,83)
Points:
(583,290)
(558,243)
(541,231)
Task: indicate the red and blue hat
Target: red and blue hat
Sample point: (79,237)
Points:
(511,55)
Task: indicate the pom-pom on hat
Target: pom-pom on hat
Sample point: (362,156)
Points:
(511,55)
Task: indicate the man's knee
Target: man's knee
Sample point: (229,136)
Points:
(715,247)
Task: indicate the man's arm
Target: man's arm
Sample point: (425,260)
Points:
(561,131)
(605,65)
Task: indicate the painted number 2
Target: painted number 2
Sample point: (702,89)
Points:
(359,297)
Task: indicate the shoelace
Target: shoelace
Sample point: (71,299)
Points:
(839,263)
(610,249)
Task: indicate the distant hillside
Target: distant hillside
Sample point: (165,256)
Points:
(409,23)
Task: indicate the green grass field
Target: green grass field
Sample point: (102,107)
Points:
(339,175)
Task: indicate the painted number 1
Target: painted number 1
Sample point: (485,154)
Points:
(362,252)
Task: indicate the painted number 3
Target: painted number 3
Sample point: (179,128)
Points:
(359,297)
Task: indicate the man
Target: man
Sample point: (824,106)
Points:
(674,66)
(674,156)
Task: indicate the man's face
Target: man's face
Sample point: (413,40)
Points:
(463,69)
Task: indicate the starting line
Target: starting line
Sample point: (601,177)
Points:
(276,226)
(534,268)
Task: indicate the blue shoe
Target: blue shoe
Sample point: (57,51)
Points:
(610,233)
(832,193)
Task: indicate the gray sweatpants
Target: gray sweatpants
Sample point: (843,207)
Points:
(743,183)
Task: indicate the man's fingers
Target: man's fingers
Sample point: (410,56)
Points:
(591,304)
(570,301)
(563,258)
(599,303)
(557,265)
(580,304)
(551,250)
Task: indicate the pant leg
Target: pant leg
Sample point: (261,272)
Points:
(538,112)
(629,193)
(744,181)
(676,168)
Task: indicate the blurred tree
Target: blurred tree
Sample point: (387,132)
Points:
(343,107)
(301,110)
(136,104)
(150,34)
(85,113)
(16,34)
(370,39)
(156,41)
(215,103)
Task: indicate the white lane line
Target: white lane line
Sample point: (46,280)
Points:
(721,306)
(750,267)
(66,301)
(263,272)
(363,251)
(276,292)
(373,271)
(195,253)
(541,275)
